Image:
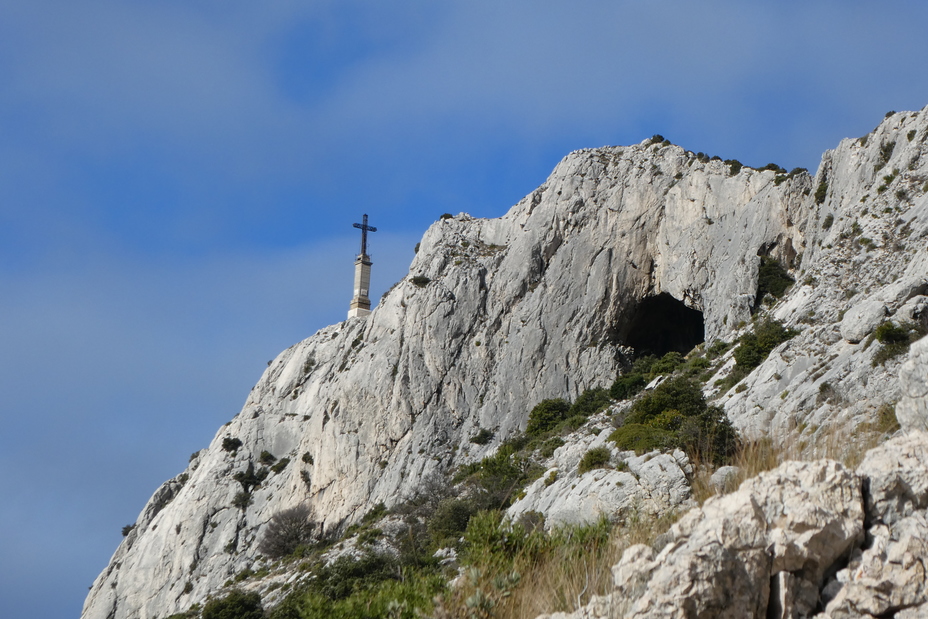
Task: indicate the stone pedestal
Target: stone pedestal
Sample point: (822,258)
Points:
(360,303)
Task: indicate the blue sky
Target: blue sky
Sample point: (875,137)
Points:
(178,181)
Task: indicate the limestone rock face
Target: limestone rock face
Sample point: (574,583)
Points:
(864,262)
(498,314)
(797,520)
(804,537)
(495,316)
(649,484)
(912,409)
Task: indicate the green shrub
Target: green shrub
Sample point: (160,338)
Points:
(675,415)
(636,378)
(349,574)
(895,340)
(546,415)
(627,385)
(501,475)
(126,530)
(886,152)
(242,500)
(680,394)
(420,281)
(281,465)
(482,437)
(734,166)
(590,401)
(450,520)
(231,444)
(697,366)
(570,424)
(447,216)
(307,458)
(821,192)
(409,596)
(267,457)
(826,223)
(236,605)
(717,349)
(667,364)
(595,458)
(772,279)
(551,444)
(249,478)
(754,346)
(641,438)
(670,420)
(888,333)
(709,436)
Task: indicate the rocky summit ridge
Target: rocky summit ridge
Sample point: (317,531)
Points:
(623,250)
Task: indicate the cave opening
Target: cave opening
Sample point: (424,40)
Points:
(661,324)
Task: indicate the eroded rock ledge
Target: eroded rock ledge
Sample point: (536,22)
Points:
(806,539)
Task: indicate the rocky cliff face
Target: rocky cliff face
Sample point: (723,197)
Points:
(804,537)
(645,247)
(864,263)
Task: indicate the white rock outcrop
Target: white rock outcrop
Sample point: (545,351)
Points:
(912,409)
(805,536)
(498,314)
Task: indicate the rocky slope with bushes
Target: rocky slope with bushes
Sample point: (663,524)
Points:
(535,363)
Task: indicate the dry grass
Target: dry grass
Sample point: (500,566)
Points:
(565,576)
(562,578)
(847,445)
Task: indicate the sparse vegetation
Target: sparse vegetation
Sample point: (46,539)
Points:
(756,345)
(421,281)
(772,279)
(821,192)
(595,458)
(546,415)
(231,443)
(236,605)
(895,340)
(675,415)
(753,347)
(482,437)
(280,465)
(287,530)
(242,500)
(886,152)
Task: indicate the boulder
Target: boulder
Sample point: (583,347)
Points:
(912,409)
(862,319)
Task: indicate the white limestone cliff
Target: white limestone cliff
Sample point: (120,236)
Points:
(498,314)
(864,263)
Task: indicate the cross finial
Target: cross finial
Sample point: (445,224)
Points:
(364,230)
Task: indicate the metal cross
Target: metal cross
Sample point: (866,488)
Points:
(364,230)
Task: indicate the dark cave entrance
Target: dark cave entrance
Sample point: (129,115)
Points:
(661,324)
